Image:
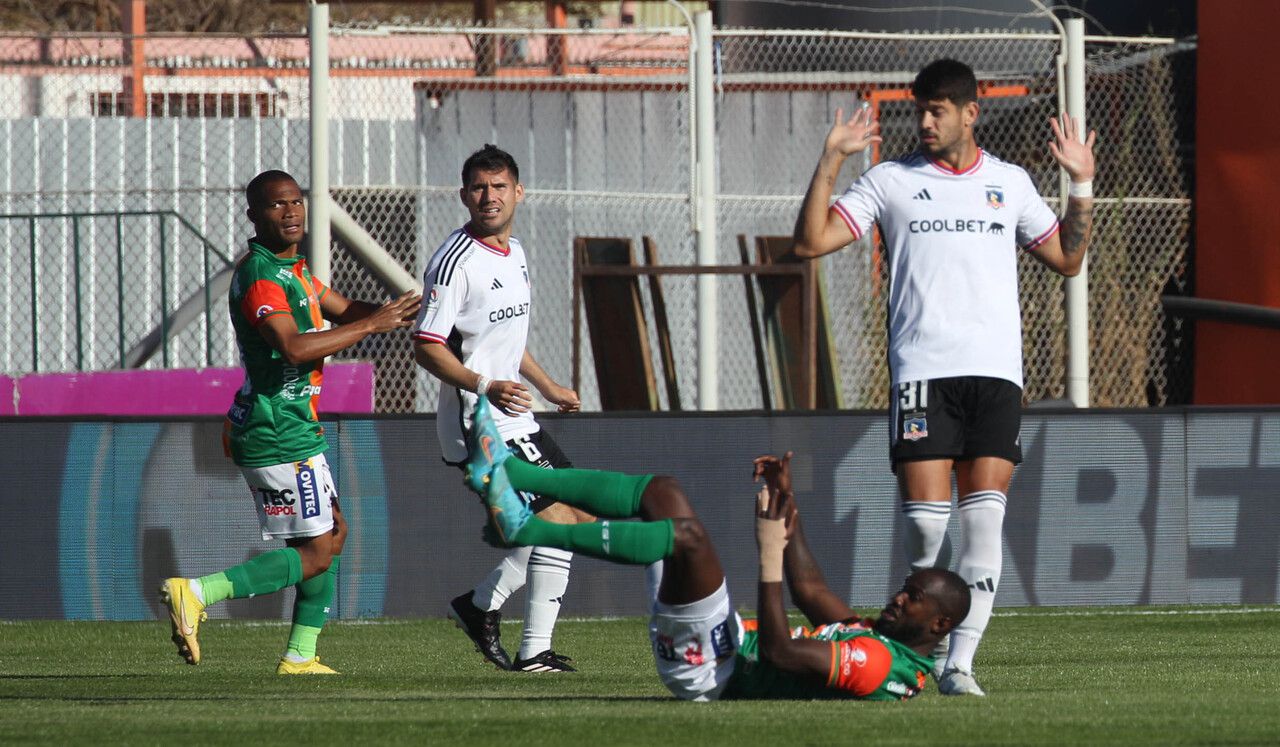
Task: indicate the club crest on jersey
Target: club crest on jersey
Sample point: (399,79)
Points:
(995,197)
(915,428)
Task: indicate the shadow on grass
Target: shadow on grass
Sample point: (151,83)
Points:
(345,697)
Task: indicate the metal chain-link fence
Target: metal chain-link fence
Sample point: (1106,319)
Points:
(599,121)
(1138,100)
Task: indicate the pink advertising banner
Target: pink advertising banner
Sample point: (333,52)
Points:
(348,388)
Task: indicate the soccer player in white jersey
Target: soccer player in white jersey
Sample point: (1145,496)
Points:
(953,218)
(471,335)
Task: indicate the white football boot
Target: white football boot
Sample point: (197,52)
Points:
(959,682)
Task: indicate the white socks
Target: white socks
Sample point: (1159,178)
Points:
(926,533)
(547,571)
(982,527)
(548,579)
(502,581)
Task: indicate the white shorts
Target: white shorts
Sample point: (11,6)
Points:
(694,645)
(294,499)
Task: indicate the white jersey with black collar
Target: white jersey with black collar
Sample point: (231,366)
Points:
(477,301)
(952,240)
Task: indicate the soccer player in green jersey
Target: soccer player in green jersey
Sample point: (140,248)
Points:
(272,431)
(703,650)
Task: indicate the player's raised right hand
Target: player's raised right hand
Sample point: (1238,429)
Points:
(853,135)
(777,476)
(774,471)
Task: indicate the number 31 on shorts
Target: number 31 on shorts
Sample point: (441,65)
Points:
(913,395)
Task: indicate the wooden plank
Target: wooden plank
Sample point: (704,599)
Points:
(783,313)
(663,329)
(757,338)
(616,325)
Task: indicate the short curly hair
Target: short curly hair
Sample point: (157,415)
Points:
(951,80)
(489,158)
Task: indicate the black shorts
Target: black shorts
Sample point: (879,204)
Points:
(959,418)
(536,448)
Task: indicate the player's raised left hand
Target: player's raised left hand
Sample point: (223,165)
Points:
(1075,157)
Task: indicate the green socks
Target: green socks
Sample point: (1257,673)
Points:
(311,610)
(266,573)
(633,542)
(214,588)
(270,572)
(612,495)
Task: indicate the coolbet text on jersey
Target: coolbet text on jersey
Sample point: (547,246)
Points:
(952,238)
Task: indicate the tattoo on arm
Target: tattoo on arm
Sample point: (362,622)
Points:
(1077,227)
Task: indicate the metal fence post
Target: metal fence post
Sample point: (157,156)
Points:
(208,310)
(75,260)
(35,298)
(164,299)
(708,374)
(1077,288)
(318,212)
(120,285)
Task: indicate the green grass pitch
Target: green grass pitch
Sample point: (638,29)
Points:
(1054,676)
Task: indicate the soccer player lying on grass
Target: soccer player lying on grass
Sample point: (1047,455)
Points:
(703,650)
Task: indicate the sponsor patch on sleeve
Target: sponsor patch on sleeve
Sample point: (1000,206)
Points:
(722,641)
(264,299)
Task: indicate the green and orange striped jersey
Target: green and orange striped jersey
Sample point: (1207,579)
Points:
(273,418)
(864,665)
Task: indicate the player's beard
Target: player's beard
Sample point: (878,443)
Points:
(492,226)
(939,148)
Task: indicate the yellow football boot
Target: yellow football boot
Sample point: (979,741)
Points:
(186,612)
(310,666)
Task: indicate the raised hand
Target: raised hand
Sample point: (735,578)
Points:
(1072,155)
(775,472)
(853,135)
(775,495)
